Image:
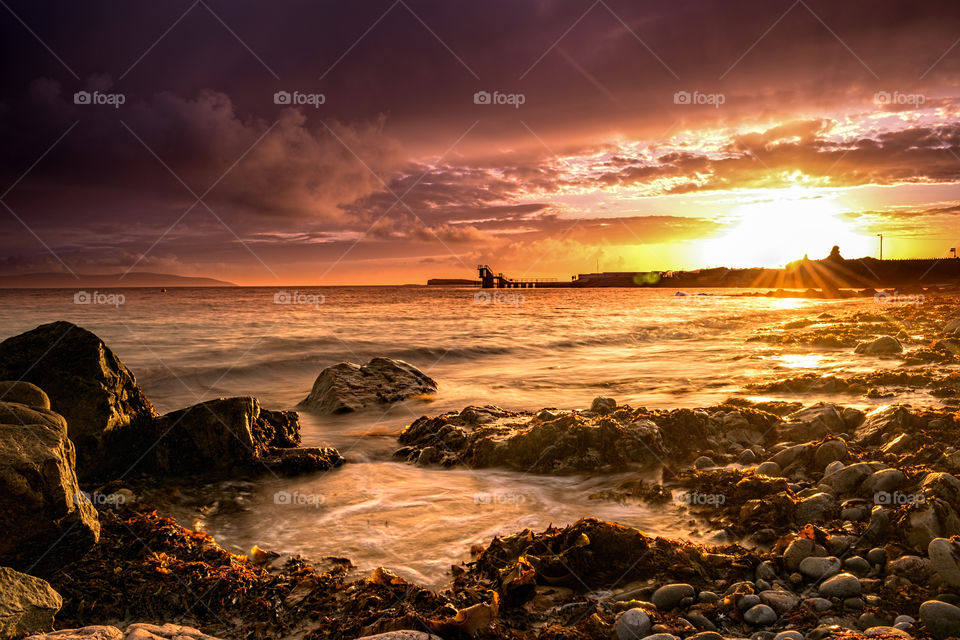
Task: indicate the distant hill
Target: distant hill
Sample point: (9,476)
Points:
(106,281)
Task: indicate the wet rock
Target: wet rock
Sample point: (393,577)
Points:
(833,467)
(603,406)
(632,624)
(814,422)
(570,442)
(86,384)
(819,568)
(815,508)
(748,601)
(829,451)
(884,345)
(222,436)
(883,423)
(885,632)
(857,565)
(788,635)
(941,620)
(760,615)
(703,462)
(849,480)
(841,586)
(796,551)
(933,518)
(883,481)
(944,486)
(747,456)
(781,601)
(28,604)
(768,468)
(669,596)
(24,393)
(877,556)
(348,387)
(45,518)
(945,558)
(910,566)
(818,604)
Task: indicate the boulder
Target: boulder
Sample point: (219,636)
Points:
(843,585)
(884,423)
(884,345)
(347,387)
(815,508)
(669,596)
(45,518)
(814,422)
(23,393)
(945,558)
(940,619)
(829,451)
(28,604)
(633,624)
(86,383)
(933,518)
(220,436)
(849,480)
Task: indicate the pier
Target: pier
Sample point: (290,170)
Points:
(491,280)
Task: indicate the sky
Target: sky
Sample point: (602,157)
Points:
(387,142)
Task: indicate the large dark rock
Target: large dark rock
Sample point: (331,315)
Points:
(27,605)
(87,384)
(883,423)
(45,519)
(219,436)
(347,387)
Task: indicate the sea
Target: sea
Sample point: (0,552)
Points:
(522,349)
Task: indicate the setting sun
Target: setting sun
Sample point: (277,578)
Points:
(774,230)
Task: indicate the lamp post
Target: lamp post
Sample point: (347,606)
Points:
(880,235)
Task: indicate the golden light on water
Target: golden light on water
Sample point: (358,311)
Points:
(773,231)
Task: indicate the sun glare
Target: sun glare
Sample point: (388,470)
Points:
(775,231)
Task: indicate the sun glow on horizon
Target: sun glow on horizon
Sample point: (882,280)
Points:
(775,231)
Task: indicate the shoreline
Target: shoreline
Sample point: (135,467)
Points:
(836,522)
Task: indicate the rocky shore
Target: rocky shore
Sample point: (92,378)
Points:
(826,521)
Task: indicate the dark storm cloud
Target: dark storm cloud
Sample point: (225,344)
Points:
(398,78)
